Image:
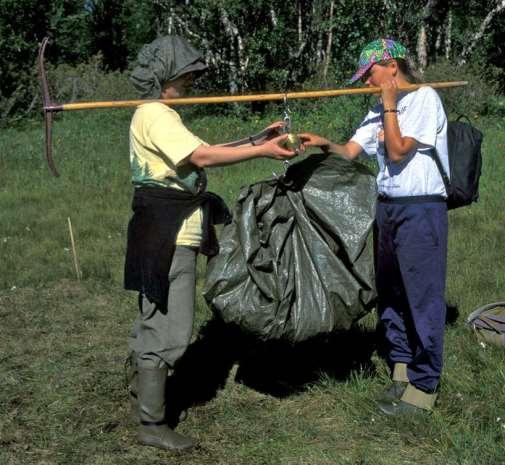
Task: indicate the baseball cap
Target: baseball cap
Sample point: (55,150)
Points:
(377,51)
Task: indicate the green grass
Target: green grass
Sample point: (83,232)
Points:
(63,341)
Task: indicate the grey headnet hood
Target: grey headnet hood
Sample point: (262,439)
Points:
(164,59)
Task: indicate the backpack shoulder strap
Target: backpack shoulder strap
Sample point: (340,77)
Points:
(445,178)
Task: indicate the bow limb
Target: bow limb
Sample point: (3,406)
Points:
(48,107)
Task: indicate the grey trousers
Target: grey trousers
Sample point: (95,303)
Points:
(160,339)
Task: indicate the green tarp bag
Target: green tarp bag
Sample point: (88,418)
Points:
(488,323)
(297,259)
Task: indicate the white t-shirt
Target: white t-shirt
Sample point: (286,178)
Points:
(422,117)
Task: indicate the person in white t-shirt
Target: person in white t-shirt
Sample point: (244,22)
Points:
(402,131)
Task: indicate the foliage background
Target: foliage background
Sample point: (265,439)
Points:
(250,45)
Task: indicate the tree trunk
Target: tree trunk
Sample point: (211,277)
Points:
(300,24)
(319,42)
(233,77)
(273,17)
(448,35)
(182,27)
(438,42)
(424,33)
(327,56)
(238,62)
(302,42)
(478,35)
(422,49)
(170,26)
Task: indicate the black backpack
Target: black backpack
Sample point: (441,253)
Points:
(465,163)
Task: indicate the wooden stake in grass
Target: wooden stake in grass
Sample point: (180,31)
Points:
(74,252)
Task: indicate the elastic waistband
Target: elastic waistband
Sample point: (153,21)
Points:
(411,199)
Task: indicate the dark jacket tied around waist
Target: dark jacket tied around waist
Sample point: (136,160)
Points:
(158,214)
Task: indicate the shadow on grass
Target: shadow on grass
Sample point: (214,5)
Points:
(452,314)
(275,368)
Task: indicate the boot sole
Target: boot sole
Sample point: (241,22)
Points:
(153,442)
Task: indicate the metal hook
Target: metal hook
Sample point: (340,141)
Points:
(287,126)
(287,115)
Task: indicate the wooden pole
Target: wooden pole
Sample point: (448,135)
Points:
(74,251)
(249,98)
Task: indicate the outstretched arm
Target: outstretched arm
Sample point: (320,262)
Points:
(216,155)
(349,150)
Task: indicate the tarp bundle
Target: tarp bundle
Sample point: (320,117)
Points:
(297,259)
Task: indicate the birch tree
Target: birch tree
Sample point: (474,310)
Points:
(499,7)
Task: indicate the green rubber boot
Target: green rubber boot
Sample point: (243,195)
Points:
(153,430)
(131,375)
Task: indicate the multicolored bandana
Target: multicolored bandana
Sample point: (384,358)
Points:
(377,51)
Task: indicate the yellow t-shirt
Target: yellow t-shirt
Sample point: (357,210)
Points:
(159,145)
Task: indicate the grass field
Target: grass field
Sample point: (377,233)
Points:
(63,341)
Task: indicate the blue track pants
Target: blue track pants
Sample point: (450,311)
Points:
(411,273)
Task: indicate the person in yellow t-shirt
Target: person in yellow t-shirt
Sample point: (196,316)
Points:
(170,224)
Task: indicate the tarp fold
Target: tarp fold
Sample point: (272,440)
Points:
(297,259)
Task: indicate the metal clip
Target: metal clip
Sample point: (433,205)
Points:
(287,126)
(287,115)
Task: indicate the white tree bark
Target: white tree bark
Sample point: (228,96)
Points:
(422,37)
(273,17)
(316,13)
(438,42)
(500,6)
(170,26)
(327,56)
(422,49)
(448,35)
(302,42)
(300,24)
(165,8)
(238,67)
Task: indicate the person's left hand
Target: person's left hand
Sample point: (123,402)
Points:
(275,148)
(389,90)
(309,139)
